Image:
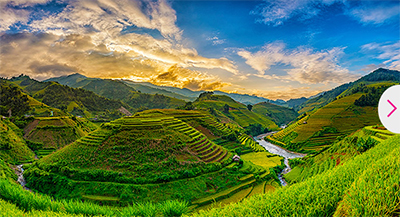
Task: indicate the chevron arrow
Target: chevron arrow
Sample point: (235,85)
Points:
(394,108)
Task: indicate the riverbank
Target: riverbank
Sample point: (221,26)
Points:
(275,149)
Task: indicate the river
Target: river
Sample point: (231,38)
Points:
(20,173)
(274,149)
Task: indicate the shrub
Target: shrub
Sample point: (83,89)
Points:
(174,208)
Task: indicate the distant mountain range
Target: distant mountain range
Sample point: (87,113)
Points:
(78,80)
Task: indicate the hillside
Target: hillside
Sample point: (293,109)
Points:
(156,90)
(351,188)
(48,134)
(75,101)
(153,156)
(120,90)
(378,75)
(317,130)
(279,114)
(13,149)
(228,110)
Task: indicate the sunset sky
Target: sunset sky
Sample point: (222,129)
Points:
(278,49)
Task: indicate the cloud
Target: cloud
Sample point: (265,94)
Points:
(372,13)
(366,12)
(389,52)
(371,67)
(308,66)
(46,55)
(278,11)
(216,41)
(16,12)
(185,78)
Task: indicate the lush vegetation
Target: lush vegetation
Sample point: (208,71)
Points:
(352,188)
(315,131)
(280,115)
(228,110)
(13,148)
(12,99)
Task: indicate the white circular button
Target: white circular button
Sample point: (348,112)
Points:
(389,109)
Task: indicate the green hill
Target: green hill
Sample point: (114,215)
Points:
(47,134)
(154,155)
(155,90)
(228,110)
(377,76)
(120,90)
(280,115)
(13,148)
(73,100)
(350,188)
(352,110)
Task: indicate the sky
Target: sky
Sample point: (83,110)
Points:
(278,49)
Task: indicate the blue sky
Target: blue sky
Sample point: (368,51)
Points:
(276,49)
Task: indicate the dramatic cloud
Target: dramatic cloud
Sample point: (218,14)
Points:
(389,52)
(308,66)
(276,12)
(46,55)
(102,38)
(185,78)
(12,12)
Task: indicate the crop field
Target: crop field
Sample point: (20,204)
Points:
(13,148)
(263,159)
(148,157)
(348,189)
(317,130)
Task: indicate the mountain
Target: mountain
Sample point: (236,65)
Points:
(73,100)
(378,75)
(155,155)
(353,109)
(228,110)
(279,114)
(120,90)
(153,89)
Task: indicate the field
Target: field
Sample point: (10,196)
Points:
(156,155)
(13,149)
(315,131)
(351,188)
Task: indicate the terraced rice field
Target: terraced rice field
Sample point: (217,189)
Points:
(248,141)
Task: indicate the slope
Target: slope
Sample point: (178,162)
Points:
(47,134)
(353,188)
(316,130)
(154,155)
(120,90)
(13,148)
(75,101)
(378,75)
(228,110)
(280,115)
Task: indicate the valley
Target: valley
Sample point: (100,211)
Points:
(78,146)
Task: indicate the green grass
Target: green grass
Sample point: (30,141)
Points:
(365,189)
(13,148)
(318,129)
(263,159)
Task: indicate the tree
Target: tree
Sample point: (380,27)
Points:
(249,107)
(226,108)
(12,98)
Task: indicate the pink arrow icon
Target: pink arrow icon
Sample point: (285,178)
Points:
(395,108)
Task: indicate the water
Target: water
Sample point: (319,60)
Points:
(274,149)
(20,173)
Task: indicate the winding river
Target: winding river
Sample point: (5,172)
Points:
(274,149)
